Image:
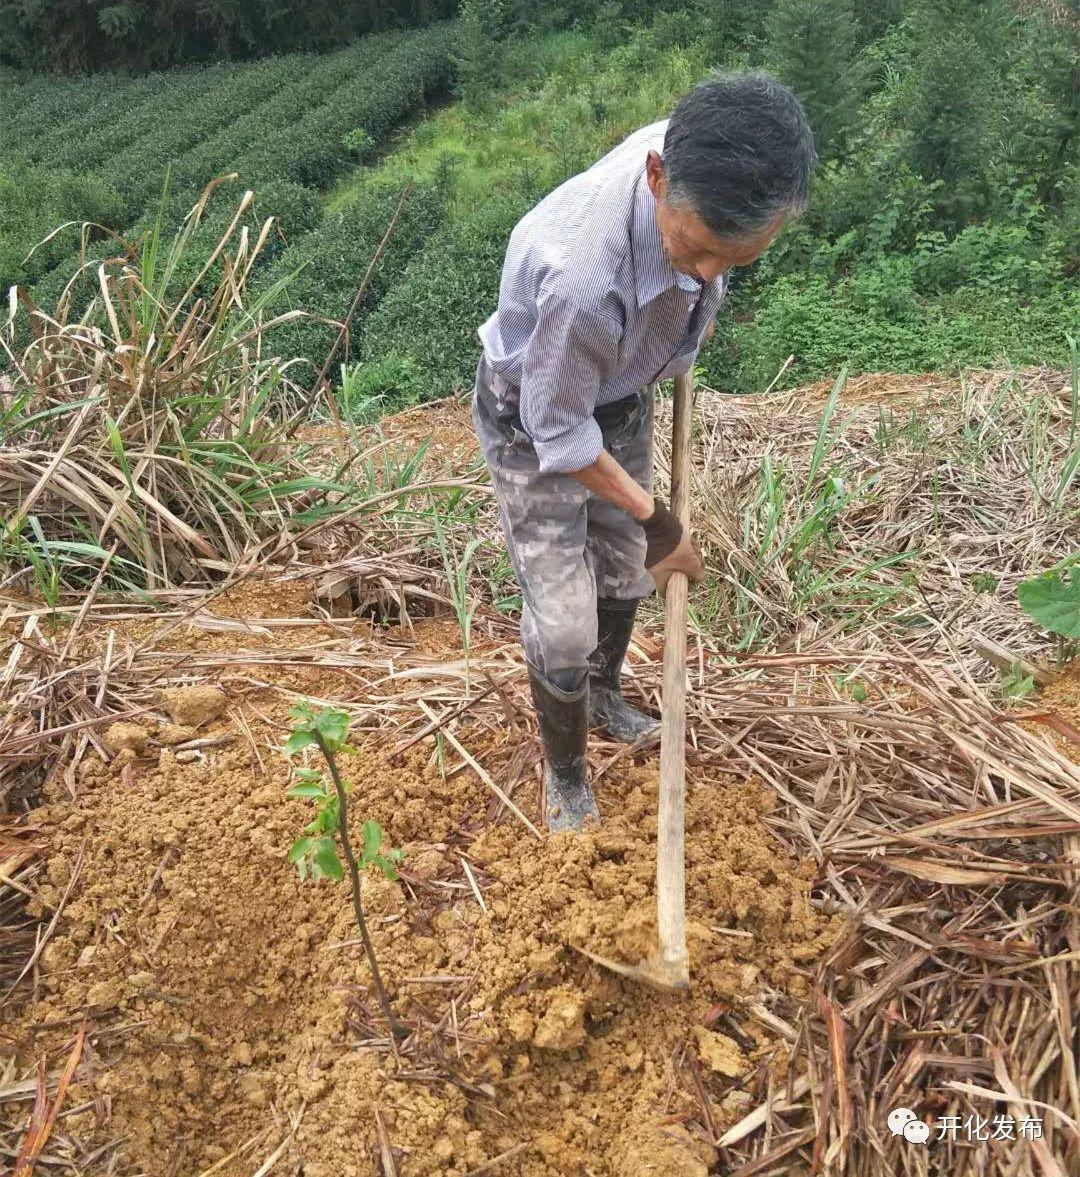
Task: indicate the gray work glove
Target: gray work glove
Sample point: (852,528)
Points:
(669,548)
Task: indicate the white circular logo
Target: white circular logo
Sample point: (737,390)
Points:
(899,1118)
(916,1131)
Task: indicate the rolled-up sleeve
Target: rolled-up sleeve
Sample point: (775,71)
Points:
(572,349)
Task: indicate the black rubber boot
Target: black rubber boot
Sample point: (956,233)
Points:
(607,708)
(563,712)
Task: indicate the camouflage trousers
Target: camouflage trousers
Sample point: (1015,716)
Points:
(567,546)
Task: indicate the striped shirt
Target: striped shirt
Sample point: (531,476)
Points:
(590,309)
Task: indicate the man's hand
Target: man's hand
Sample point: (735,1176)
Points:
(669,548)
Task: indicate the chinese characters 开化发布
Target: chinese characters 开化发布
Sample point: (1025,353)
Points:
(1000,1127)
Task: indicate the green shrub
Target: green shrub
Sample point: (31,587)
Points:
(188,105)
(333,258)
(376,96)
(876,320)
(372,388)
(34,201)
(1023,258)
(95,130)
(255,130)
(812,46)
(873,17)
(359,143)
(177,107)
(139,170)
(478,57)
(43,101)
(429,319)
(1044,96)
(959,99)
(609,25)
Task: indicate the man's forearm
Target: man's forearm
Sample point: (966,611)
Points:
(607,479)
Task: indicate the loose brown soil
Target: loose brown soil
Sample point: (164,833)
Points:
(443,428)
(231,1007)
(1060,700)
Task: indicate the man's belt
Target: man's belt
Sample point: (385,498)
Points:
(607,416)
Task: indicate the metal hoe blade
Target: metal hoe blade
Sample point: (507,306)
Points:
(652,971)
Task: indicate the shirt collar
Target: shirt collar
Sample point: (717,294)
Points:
(653,273)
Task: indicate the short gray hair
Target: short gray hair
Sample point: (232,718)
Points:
(737,152)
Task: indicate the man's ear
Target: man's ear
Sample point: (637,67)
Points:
(654,174)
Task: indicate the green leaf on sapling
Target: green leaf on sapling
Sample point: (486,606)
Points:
(326,860)
(372,832)
(298,741)
(306,789)
(1054,602)
(333,725)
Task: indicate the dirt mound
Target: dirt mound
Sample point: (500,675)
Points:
(442,429)
(1063,696)
(194,706)
(231,1005)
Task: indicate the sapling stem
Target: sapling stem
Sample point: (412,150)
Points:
(396,1029)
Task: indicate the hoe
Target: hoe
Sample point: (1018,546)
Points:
(668,965)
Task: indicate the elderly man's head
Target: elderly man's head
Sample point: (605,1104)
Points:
(738,153)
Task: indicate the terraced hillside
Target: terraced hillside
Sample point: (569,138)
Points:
(101,147)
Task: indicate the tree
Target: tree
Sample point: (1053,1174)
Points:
(813,47)
(956,114)
(76,36)
(873,17)
(478,62)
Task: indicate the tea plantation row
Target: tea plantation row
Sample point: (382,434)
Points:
(98,148)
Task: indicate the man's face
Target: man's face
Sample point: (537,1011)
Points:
(692,247)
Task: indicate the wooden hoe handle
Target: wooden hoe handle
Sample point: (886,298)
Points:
(670,849)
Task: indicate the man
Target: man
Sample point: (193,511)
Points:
(609,285)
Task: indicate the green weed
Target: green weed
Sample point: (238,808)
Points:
(1053,600)
(1015,684)
(457,565)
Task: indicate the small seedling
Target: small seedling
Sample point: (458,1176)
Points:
(852,687)
(315,854)
(984,582)
(359,142)
(1015,684)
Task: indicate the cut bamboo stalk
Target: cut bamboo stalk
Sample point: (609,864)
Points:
(1004,659)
